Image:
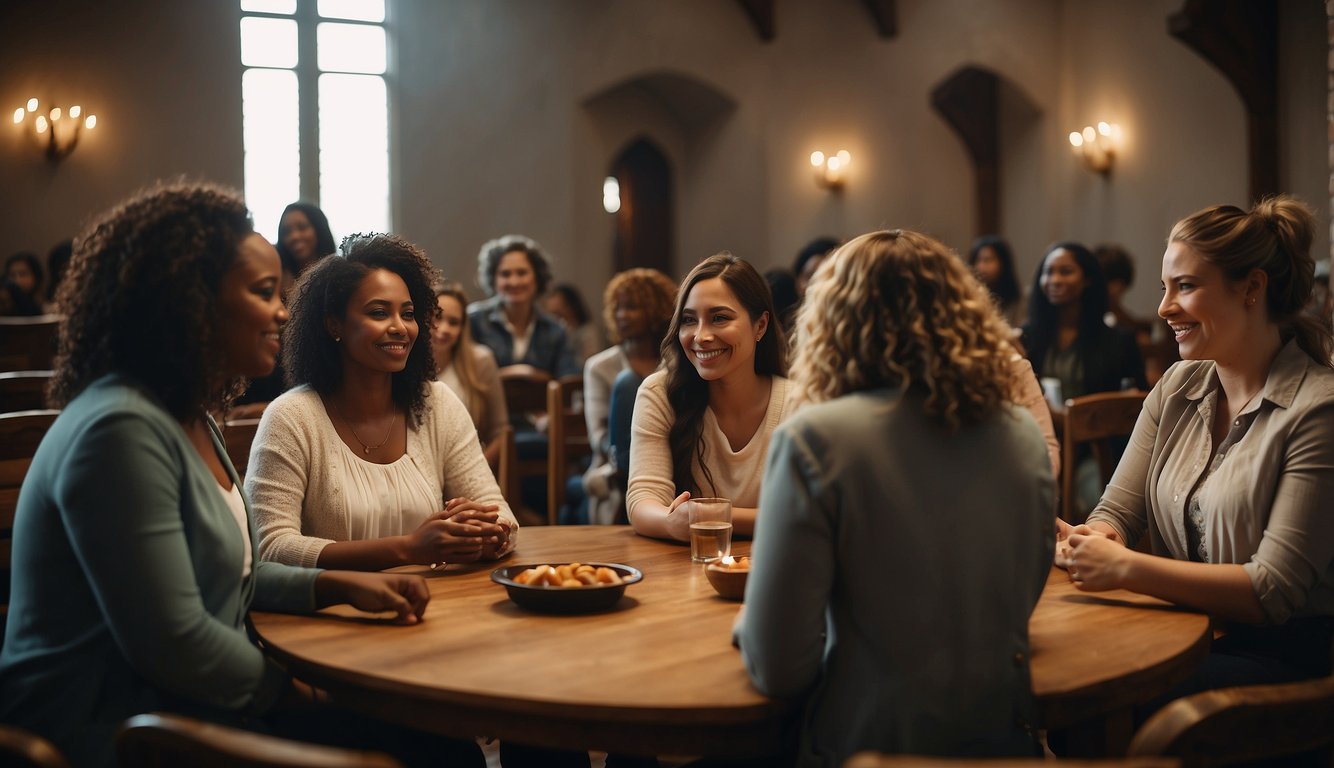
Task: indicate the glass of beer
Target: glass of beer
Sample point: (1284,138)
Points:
(710,529)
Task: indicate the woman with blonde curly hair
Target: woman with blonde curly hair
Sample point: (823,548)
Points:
(905,438)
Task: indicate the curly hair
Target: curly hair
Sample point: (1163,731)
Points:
(488,261)
(140,298)
(650,290)
(311,356)
(1043,316)
(324,239)
(1275,237)
(687,393)
(899,309)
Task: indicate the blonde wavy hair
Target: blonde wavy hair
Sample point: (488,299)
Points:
(899,309)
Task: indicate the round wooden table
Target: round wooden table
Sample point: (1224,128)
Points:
(657,674)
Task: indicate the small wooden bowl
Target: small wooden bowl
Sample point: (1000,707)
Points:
(568,600)
(729,583)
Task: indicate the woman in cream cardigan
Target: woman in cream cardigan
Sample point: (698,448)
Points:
(369,463)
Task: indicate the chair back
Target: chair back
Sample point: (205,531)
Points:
(1096,420)
(23,390)
(21,749)
(1256,724)
(877,760)
(526,400)
(525,388)
(28,343)
(238,435)
(20,434)
(160,740)
(567,432)
(504,470)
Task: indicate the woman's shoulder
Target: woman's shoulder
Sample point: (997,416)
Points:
(483,357)
(299,399)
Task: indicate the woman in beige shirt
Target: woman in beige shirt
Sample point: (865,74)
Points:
(468,368)
(1229,468)
(702,425)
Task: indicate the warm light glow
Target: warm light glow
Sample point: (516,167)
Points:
(91,122)
(834,163)
(18,115)
(817,158)
(1097,147)
(830,169)
(611,194)
(32,105)
(1076,139)
(1089,135)
(1104,129)
(55,114)
(41,124)
(75,110)
(844,157)
(727,560)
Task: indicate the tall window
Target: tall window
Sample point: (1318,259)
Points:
(315,111)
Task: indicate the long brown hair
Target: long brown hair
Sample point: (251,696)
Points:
(687,393)
(1275,237)
(462,358)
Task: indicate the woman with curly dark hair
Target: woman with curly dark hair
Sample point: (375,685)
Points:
(703,424)
(133,564)
(369,462)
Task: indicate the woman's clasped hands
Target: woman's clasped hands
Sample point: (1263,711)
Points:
(1094,557)
(465,531)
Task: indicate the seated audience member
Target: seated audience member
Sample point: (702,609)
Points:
(515,271)
(23,281)
(637,308)
(303,239)
(809,259)
(133,562)
(369,462)
(567,305)
(1119,270)
(702,425)
(1228,470)
(783,287)
(993,262)
(1068,342)
(468,368)
(903,375)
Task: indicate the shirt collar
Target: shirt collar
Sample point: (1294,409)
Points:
(1285,376)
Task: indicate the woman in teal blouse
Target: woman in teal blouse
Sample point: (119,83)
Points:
(134,565)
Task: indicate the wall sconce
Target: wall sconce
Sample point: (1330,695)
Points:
(1096,147)
(830,171)
(56,131)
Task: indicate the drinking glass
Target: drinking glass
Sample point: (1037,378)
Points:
(710,529)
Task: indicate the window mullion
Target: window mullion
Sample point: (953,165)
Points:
(307,73)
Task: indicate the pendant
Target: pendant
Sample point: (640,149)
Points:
(365,449)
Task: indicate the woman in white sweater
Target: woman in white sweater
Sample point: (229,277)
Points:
(702,425)
(369,463)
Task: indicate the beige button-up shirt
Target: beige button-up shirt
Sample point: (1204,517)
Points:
(1270,504)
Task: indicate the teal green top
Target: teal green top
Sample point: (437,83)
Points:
(127,594)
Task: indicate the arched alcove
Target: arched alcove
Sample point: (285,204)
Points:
(643,228)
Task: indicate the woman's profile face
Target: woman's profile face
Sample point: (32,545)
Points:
(1062,280)
(298,237)
(448,326)
(716,333)
(987,266)
(250,309)
(21,275)
(379,326)
(516,282)
(1206,312)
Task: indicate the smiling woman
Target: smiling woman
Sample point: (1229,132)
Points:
(702,425)
(368,462)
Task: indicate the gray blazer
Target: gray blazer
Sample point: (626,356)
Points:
(895,568)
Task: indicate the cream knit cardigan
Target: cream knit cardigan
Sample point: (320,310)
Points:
(294,480)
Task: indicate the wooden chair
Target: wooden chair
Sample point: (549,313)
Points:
(567,432)
(525,398)
(876,760)
(239,434)
(161,740)
(28,343)
(23,390)
(504,467)
(1255,724)
(20,434)
(1094,419)
(21,749)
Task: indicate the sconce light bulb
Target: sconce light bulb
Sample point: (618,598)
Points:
(55,114)
(844,157)
(75,110)
(817,158)
(834,163)
(91,122)
(41,124)
(1104,129)
(1076,139)
(18,115)
(32,105)
(1089,134)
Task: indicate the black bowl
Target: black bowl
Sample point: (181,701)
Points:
(544,599)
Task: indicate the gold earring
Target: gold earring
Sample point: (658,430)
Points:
(1250,302)
(337,339)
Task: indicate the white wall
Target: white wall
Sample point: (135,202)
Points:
(491,132)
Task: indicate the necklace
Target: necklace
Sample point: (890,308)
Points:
(1237,419)
(366,449)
